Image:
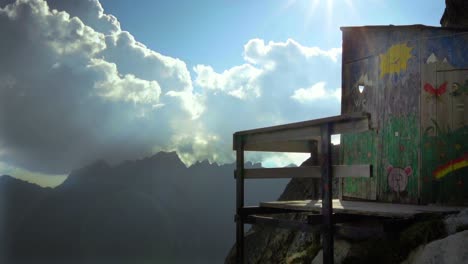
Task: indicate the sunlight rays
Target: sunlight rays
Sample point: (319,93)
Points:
(312,8)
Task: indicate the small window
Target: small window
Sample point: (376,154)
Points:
(361,88)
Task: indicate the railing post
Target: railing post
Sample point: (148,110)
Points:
(239,146)
(314,162)
(327,206)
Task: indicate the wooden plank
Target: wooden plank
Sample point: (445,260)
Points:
(299,146)
(257,210)
(283,173)
(304,133)
(310,123)
(282,223)
(293,134)
(365,208)
(339,171)
(317,219)
(353,126)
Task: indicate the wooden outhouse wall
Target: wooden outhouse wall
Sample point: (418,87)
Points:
(414,82)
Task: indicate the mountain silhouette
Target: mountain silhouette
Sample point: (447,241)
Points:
(153,210)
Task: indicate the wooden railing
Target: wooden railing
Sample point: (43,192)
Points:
(303,137)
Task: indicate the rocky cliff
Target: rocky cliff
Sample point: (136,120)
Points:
(455,14)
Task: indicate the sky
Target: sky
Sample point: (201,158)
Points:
(118,80)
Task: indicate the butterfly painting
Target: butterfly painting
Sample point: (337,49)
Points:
(435,92)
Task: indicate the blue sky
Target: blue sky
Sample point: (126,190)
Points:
(214,32)
(120,80)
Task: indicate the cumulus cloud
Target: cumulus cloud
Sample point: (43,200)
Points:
(315,92)
(266,90)
(74,88)
(239,81)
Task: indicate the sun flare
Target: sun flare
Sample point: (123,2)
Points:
(313,8)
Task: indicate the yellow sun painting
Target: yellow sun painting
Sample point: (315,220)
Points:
(395,59)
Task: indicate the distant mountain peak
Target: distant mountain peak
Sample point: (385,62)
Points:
(96,166)
(166,155)
(6,180)
(166,158)
(88,173)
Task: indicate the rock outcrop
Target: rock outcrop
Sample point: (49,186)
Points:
(449,250)
(455,14)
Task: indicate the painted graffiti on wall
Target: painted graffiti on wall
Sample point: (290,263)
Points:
(398,178)
(435,92)
(451,166)
(459,89)
(395,59)
(361,85)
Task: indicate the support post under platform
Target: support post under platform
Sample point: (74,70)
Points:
(327,206)
(239,145)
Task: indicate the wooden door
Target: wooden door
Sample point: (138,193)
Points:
(360,93)
(444,139)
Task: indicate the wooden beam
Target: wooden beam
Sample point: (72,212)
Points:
(316,122)
(282,223)
(366,208)
(239,201)
(282,173)
(293,134)
(317,219)
(257,210)
(339,171)
(306,133)
(303,131)
(327,205)
(299,146)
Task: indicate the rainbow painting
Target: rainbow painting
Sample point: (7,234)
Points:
(451,166)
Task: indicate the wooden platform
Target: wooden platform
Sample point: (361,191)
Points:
(364,208)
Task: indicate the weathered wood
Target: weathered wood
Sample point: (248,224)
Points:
(282,223)
(303,131)
(317,219)
(257,210)
(306,133)
(327,205)
(299,146)
(239,201)
(365,208)
(369,100)
(349,117)
(339,171)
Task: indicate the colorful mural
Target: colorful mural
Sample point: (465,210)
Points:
(398,178)
(418,105)
(451,166)
(435,92)
(445,163)
(395,59)
(459,89)
(360,148)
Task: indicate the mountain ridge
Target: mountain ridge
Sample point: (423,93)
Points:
(156,204)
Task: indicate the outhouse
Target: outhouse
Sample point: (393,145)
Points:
(413,80)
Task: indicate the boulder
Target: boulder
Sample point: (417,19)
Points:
(449,250)
(456,223)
